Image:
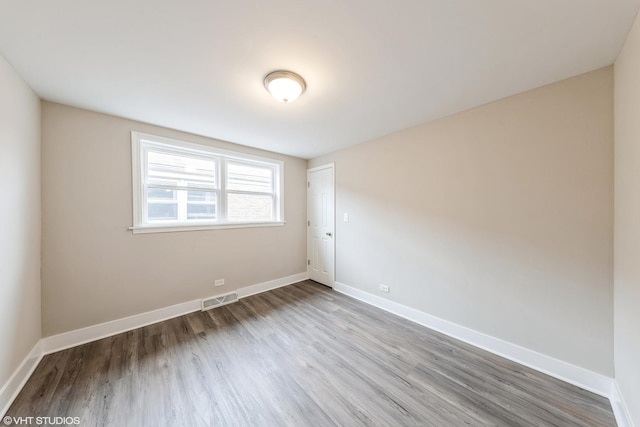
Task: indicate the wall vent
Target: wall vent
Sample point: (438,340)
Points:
(217,301)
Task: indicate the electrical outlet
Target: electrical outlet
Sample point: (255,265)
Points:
(219,282)
(384,288)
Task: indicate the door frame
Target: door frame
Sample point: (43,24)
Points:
(332,166)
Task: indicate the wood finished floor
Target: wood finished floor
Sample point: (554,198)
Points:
(302,355)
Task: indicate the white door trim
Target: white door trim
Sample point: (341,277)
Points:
(332,276)
(327,166)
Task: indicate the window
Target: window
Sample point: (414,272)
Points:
(183,186)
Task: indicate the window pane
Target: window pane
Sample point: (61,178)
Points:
(201,211)
(249,207)
(162,211)
(160,193)
(243,177)
(201,196)
(163,166)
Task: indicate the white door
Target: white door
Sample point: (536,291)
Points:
(320,224)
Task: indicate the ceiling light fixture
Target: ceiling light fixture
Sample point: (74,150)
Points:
(285,86)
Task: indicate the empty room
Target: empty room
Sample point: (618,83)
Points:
(299,213)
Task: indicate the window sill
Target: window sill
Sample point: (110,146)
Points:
(176,228)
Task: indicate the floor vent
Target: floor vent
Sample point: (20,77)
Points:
(217,301)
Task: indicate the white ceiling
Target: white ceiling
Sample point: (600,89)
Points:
(371,67)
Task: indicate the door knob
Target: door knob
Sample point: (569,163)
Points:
(328,233)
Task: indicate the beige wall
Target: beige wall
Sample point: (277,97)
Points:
(95,270)
(627,223)
(19,219)
(498,218)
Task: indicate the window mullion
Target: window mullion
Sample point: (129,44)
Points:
(180,187)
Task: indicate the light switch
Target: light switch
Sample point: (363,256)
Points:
(345,216)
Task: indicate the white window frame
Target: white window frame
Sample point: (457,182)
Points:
(141,141)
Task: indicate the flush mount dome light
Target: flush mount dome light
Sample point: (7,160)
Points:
(285,86)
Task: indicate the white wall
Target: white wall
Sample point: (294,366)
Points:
(95,270)
(627,222)
(19,219)
(499,219)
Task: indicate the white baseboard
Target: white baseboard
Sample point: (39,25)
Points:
(583,378)
(81,336)
(12,387)
(95,332)
(271,284)
(580,377)
(620,409)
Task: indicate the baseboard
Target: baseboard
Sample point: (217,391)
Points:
(91,333)
(620,409)
(271,284)
(70,339)
(583,378)
(572,374)
(77,337)
(12,387)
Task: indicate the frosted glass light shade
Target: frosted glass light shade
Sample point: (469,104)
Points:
(285,86)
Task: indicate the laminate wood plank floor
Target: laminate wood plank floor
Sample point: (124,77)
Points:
(302,355)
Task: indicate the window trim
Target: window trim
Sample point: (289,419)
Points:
(222,156)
